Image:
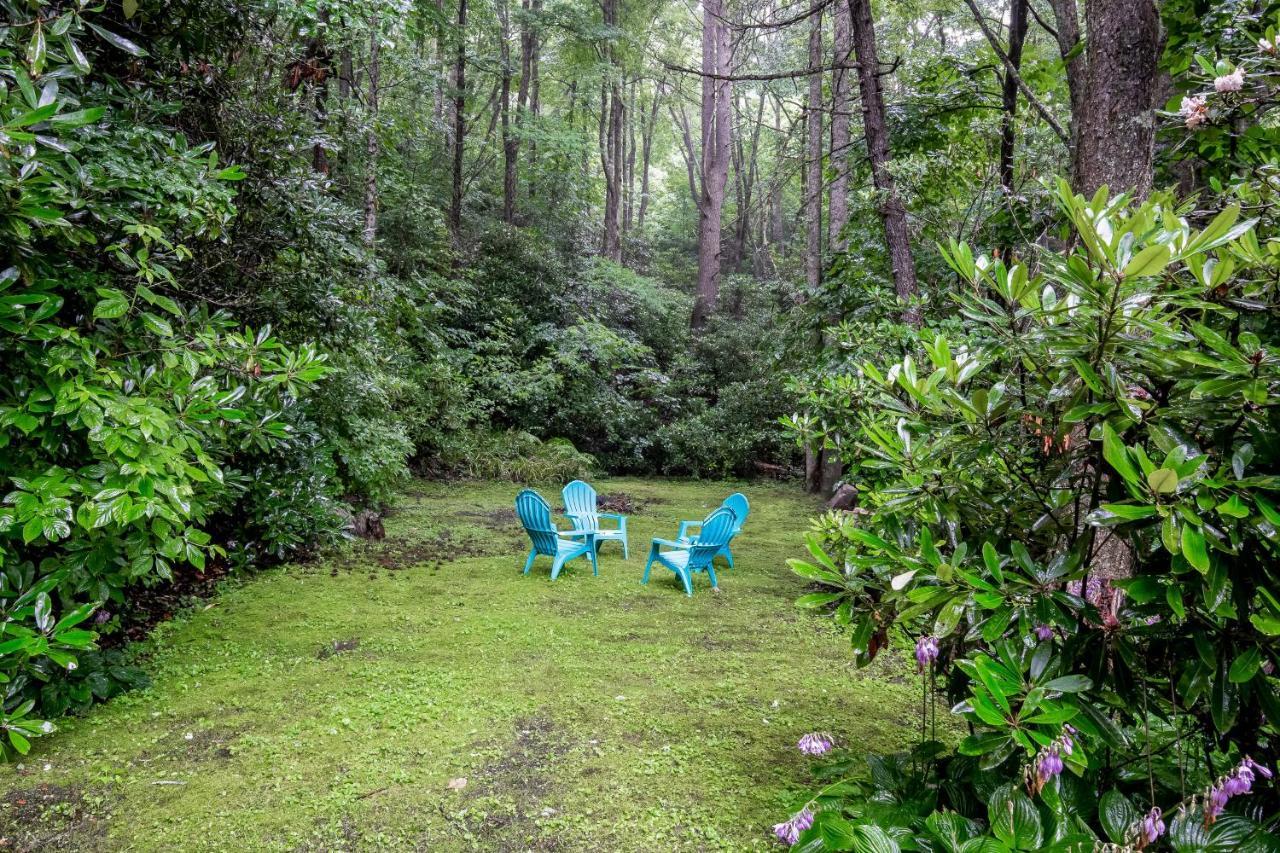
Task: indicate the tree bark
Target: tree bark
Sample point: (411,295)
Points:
(372,146)
(892,211)
(813,161)
(1117,126)
(611,143)
(510,146)
(841,109)
(1009,93)
(646,150)
(459,121)
(1066,19)
(717,93)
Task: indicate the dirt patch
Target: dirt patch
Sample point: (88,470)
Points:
(193,745)
(51,817)
(338,647)
(522,775)
(501,517)
(623,503)
(434,551)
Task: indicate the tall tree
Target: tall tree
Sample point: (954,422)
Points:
(372,144)
(1117,126)
(646,150)
(510,149)
(892,211)
(813,157)
(841,109)
(1009,92)
(459,120)
(612,153)
(717,116)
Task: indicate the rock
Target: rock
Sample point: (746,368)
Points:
(845,497)
(367,524)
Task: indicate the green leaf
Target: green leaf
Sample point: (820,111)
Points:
(818,599)
(1245,666)
(1117,455)
(116,41)
(1163,481)
(1118,817)
(1150,261)
(1193,548)
(1069,684)
(1014,819)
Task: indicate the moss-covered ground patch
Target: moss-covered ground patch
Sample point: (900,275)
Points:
(420,693)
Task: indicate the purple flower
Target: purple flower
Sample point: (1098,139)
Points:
(1153,826)
(1043,632)
(815,743)
(926,651)
(1255,767)
(788,832)
(1215,803)
(1239,781)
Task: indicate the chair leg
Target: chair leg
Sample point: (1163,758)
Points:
(595,562)
(625,554)
(555,568)
(688,584)
(528,564)
(728,555)
(647,566)
(711,573)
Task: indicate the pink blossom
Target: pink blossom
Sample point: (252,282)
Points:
(926,651)
(1194,111)
(1232,82)
(1271,47)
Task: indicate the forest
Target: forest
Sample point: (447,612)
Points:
(975,300)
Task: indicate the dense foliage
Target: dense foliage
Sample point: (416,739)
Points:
(1070,505)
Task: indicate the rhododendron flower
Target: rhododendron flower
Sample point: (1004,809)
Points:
(815,743)
(788,832)
(1271,47)
(926,651)
(1232,82)
(1043,632)
(1194,111)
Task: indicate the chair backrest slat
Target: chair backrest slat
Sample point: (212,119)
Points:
(580,505)
(717,529)
(740,506)
(535,515)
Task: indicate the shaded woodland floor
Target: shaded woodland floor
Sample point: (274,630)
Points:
(340,705)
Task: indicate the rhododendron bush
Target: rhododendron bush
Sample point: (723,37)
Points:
(1073,513)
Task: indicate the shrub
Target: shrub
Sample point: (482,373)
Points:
(1074,515)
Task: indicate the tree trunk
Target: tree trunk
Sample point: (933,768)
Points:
(611,139)
(371,139)
(437,107)
(535,90)
(892,211)
(1009,93)
(629,210)
(716,129)
(1117,127)
(459,121)
(510,147)
(813,161)
(646,149)
(1066,18)
(841,109)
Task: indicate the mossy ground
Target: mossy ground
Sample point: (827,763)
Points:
(329,706)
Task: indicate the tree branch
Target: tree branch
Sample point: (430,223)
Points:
(1017,78)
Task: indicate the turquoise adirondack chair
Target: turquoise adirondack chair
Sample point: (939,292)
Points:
(580,507)
(535,515)
(740,506)
(696,554)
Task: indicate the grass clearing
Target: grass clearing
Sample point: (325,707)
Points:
(330,706)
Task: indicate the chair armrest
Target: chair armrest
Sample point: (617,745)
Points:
(684,528)
(681,546)
(575,533)
(616,516)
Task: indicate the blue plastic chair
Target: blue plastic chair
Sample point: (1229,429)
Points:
(580,507)
(535,515)
(740,506)
(694,555)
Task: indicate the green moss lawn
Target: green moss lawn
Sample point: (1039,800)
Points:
(340,705)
